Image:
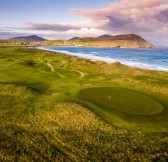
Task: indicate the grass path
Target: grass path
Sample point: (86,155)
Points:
(53,70)
(51,67)
(82,74)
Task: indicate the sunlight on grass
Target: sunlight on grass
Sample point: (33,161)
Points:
(51,115)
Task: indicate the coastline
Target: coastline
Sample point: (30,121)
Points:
(105,59)
(77,55)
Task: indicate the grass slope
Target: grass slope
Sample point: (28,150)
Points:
(45,99)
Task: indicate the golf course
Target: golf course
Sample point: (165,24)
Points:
(57,107)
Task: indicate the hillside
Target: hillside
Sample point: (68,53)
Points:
(118,41)
(31,38)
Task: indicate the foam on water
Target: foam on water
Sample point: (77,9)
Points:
(155,59)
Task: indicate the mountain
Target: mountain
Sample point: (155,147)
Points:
(31,38)
(117,41)
(104,36)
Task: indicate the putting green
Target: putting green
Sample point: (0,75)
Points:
(120,99)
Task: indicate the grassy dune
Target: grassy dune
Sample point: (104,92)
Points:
(61,108)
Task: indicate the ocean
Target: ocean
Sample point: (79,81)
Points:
(154,59)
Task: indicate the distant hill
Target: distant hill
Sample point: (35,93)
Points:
(31,38)
(74,38)
(117,41)
(104,36)
(81,38)
(132,37)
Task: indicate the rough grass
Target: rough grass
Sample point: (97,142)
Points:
(42,119)
(66,131)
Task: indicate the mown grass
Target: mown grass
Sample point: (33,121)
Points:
(48,112)
(123,100)
(127,108)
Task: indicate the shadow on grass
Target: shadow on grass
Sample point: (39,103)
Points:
(19,143)
(36,86)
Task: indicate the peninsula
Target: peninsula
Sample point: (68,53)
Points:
(117,41)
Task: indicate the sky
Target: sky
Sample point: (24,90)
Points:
(64,19)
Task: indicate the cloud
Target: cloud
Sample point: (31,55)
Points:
(84,28)
(85,32)
(51,34)
(87,23)
(53,27)
(162,16)
(10,34)
(130,16)
(5,33)
(118,22)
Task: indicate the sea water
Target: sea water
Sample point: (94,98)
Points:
(155,59)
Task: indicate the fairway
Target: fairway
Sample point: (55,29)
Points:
(121,99)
